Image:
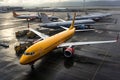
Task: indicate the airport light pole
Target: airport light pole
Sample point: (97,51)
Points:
(84,7)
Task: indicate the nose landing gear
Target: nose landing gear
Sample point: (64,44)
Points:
(32,66)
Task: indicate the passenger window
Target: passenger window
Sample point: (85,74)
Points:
(31,53)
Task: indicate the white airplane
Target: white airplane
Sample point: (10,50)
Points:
(32,17)
(78,23)
(5,45)
(3,11)
(93,16)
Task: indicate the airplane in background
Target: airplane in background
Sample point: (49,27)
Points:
(3,11)
(93,16)
(80,24)
(5,45)
(32,17)
(43,47)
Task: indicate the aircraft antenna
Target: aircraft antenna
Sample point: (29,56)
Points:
(73,21)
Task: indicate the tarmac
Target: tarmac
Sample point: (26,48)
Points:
(90,62)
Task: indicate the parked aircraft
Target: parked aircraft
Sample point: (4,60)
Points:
(5,45)
(78,23)
(93,16)
(3,11)
(32,17)
(43,47)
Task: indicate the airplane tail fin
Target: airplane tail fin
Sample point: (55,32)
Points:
(39,15)
(44,18)
(72,24)
(69,17)
(15,14)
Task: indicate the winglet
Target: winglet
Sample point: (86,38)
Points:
(117,38)
(72,25)
(15,14)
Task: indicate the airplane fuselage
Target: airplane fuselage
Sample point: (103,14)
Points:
(26,16)
(66,24)
(94,16)
(41,48)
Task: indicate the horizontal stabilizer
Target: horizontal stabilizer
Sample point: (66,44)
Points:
(43,36)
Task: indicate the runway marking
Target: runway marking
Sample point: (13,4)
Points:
(100,66)
(92,49)
(19,27)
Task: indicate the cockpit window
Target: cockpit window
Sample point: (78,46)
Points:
(31,53)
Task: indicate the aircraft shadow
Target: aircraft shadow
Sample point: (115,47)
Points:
(52,63)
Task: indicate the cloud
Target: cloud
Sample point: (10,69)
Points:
(27,2)
(37,2)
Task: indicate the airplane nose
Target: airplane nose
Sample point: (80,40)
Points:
(22,60)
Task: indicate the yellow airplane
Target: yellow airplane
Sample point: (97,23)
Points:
(43,47)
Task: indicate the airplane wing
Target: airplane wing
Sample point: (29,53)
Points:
(83,30)
(43,36)
(84,43)
(78,30)
(61,20)
(64,27)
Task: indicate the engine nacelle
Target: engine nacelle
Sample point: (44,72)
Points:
(68,52)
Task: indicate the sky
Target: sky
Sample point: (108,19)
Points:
(36,2)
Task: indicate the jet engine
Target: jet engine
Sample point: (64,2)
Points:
(68,52)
